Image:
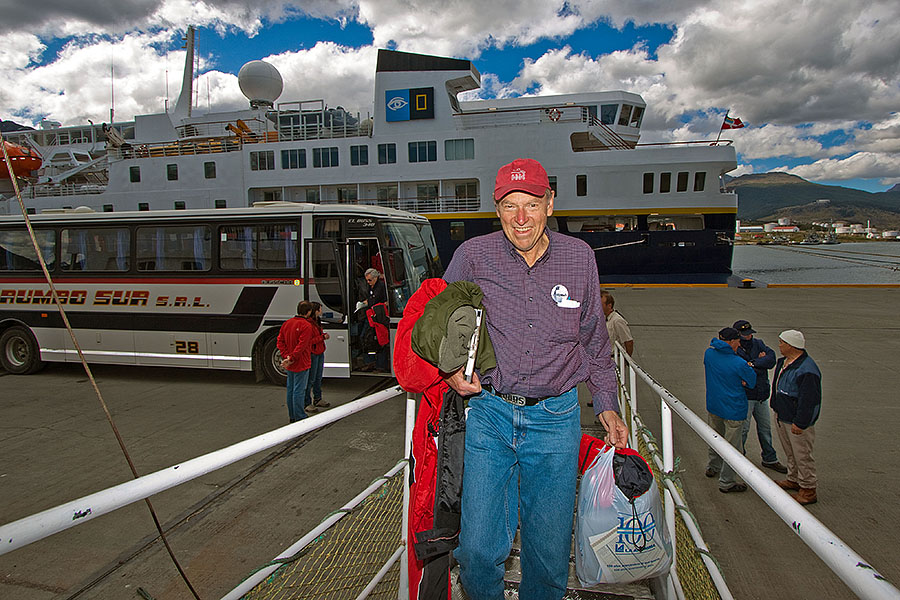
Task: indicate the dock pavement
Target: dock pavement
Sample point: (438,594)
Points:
(56,446)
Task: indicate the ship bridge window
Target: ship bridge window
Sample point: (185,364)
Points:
(95,249)
(262,160)
(387,154)
(422,151)
(172,172)
(648,183)
(625,115)
(463,149)
(325,157)
(553,184)
(636,116)
(608,113)
(699,181)
(209,170)
(293,158)
(682,181)
(134,173)
(359,155)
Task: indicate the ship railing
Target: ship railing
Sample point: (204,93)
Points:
(62,189)
(855,572)
(176,148)
(27,530)
(438,204)
(688,143)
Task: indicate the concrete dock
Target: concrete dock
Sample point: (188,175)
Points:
(55,446)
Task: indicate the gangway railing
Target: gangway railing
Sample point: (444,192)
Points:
(854,571)
(36,527)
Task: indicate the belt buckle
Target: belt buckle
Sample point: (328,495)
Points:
(517,399)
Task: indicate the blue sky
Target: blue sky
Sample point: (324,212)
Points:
(817,83)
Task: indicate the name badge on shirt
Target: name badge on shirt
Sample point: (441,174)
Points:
(560,295)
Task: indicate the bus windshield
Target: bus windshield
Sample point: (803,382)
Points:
(409,259)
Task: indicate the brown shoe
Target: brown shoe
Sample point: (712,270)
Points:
(787,484)
(806,496)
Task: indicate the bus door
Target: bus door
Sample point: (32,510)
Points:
(325,282)
(367,355)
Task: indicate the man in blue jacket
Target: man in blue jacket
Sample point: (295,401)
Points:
(761,358)
(727,374)
(797,400)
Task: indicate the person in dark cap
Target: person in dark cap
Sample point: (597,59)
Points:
(761,358)
(797,401)
(524,424)
(727,376)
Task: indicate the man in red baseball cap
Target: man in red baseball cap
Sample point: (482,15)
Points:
(523,425)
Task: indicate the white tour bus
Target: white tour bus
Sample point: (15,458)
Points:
(206,288)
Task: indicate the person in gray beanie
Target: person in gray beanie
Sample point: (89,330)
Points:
(797,401)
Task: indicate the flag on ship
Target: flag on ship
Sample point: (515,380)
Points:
(732,123)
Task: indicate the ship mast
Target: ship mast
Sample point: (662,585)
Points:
(185,99)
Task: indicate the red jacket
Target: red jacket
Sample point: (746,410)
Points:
(318,340)
(295,342)
(417,375)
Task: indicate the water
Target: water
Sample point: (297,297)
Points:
(847,263)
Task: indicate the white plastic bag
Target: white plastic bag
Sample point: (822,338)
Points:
(617,541)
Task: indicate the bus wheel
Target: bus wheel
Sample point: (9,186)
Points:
(19,353)
(271,362)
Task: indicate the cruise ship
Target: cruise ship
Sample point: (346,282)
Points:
(651,211)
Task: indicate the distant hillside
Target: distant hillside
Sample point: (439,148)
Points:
(769,196)
(6,126)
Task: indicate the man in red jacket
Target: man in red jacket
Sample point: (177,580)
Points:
(295,344)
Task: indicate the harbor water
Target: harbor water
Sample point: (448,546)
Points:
(846,263)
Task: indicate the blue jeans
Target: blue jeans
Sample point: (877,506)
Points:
(759,410)
(296,392)
(314,386)
(521,464)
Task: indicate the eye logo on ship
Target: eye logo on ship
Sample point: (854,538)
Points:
(397,103)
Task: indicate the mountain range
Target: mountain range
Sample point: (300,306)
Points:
(770,196)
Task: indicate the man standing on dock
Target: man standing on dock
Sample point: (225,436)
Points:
(797,400)
(617,326)
(761,358)
(727,375)
(523,425)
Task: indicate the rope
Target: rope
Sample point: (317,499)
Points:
(891,266)
(619,245)
(87,369)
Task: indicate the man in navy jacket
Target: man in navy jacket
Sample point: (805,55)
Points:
(727,374)
(797,400)
(761,358)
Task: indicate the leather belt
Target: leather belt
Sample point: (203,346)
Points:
(516,399)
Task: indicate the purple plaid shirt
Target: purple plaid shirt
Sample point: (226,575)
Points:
(546,322)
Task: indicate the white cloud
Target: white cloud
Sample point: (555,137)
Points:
(742,169)
(861,165)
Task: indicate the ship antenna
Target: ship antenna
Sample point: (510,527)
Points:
(112,86)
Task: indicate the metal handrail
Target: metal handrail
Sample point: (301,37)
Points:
(30,529)
(854,571)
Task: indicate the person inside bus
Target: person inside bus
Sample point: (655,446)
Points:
(295,344)
(313,400)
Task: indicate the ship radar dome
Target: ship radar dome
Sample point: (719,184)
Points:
(260,82)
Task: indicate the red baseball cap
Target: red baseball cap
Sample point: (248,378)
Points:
(521,175)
